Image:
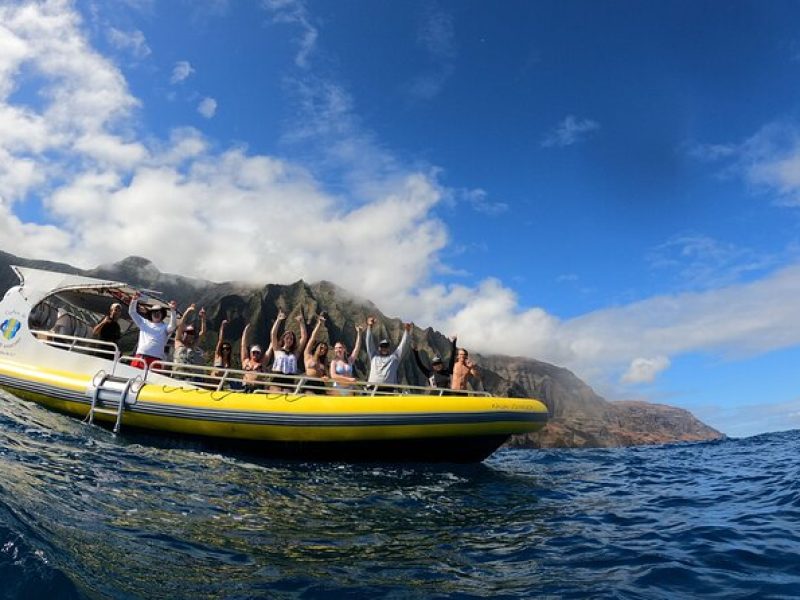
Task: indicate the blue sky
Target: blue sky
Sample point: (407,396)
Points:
(611,187)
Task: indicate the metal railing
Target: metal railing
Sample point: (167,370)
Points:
(229,379)
(72,343)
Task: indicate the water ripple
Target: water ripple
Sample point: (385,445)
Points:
(84,514)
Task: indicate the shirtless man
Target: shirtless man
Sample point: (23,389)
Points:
(464,370)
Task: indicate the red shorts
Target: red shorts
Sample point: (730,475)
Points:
(143,360)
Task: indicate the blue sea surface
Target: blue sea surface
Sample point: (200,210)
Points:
(84,514)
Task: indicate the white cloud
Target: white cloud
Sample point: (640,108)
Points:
(751,419)
(645,370)
(570,131)
(479,200)
(207,107)
(701,261)
(294,12)
(768,160)
(111,149)
(181,71)
(130,41)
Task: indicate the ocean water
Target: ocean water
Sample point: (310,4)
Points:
(86,515)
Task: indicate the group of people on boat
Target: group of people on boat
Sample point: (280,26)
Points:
(286,356)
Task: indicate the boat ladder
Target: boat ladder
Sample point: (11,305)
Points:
(111,394)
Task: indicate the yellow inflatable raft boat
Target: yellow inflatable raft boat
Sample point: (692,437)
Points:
(77,375)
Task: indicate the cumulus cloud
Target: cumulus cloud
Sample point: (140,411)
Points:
(570,131)
(181,71)
(207,107)
(645,370)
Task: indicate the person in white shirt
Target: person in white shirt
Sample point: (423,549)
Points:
(153,334)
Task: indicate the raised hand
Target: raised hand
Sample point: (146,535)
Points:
(281,315)
(299,318)
(359,328)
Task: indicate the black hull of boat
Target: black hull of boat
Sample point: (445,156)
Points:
(456,450)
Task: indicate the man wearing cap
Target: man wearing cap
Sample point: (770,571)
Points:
(188,339)
(437,375)
(383,364)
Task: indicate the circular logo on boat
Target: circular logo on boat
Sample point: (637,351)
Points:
(9,329)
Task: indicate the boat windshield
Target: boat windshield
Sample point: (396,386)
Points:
(76,312)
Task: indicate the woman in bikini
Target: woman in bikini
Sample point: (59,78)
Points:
(223,358)
(254,362)
(341,369)
(315,358)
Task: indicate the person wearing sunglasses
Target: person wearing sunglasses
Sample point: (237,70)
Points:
(223,358)
(438,375)
(254,362)
(188,339)
(153,333)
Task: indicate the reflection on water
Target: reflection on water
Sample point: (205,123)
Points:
(92,515)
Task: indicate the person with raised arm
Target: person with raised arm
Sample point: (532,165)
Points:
(287,352)
(341,370)
(437,375)
(383,363)
(223,357)
(254,361)
(153,334)
(188,339)
(465,370)
(315,358)
(108,329)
